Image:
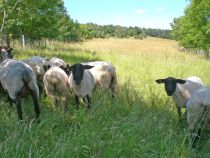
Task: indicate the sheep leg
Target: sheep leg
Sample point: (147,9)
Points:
(77,101)
(89,101)
(179,112)
(10,102)
(36,103)
(19,109)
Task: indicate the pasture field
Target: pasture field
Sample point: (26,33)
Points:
(141,122)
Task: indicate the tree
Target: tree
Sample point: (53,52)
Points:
(192,29)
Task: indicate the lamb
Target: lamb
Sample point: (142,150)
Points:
(181,90)
(18,80)
(56,84)
(104,74)
(82,82)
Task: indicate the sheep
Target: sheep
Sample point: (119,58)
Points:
(104,74)
(198,111)
(43,61)
(181,90)
(37,68)
(5,53)
(82,82)
(54,61)
(56,84)
(18,79)
(196,106)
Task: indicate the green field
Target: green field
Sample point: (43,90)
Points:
(141,122)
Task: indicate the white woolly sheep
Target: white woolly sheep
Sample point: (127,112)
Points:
(196,106)
(81,82)
(104,74)
(56,84)
(198,112)
(181,90)
(18,80)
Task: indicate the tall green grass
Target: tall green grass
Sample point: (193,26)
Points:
(141,122)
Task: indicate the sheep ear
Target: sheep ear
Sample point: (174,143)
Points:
(87,66)
(159,81)
(180,81)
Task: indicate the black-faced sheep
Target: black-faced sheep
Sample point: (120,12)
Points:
(82,82)
(181,90)
(56,84)
(19,80)
(104,74)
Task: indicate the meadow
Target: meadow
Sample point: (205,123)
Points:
(141,122)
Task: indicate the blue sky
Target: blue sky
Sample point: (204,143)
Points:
(141,13)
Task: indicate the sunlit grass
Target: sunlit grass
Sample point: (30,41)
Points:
(141,122)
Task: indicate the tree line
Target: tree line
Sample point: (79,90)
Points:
(91,30)
(192,30)
(49,19)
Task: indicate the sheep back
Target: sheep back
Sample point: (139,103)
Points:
(16,77)
(196,106)
(184,91)
(56,82)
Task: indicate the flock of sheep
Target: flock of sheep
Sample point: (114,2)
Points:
(20,78)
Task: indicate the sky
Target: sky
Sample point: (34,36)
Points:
(141,13)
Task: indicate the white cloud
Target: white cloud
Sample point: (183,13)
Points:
(159,8)
(140,11)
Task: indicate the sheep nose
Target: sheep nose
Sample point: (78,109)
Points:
(170,93)
(77,82)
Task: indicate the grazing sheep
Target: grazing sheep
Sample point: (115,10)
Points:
(37,68)
(43,61)
(56,84)
(181,90)
(56,62)
(81,82)
(105,75)
(18,80)
(5,53)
